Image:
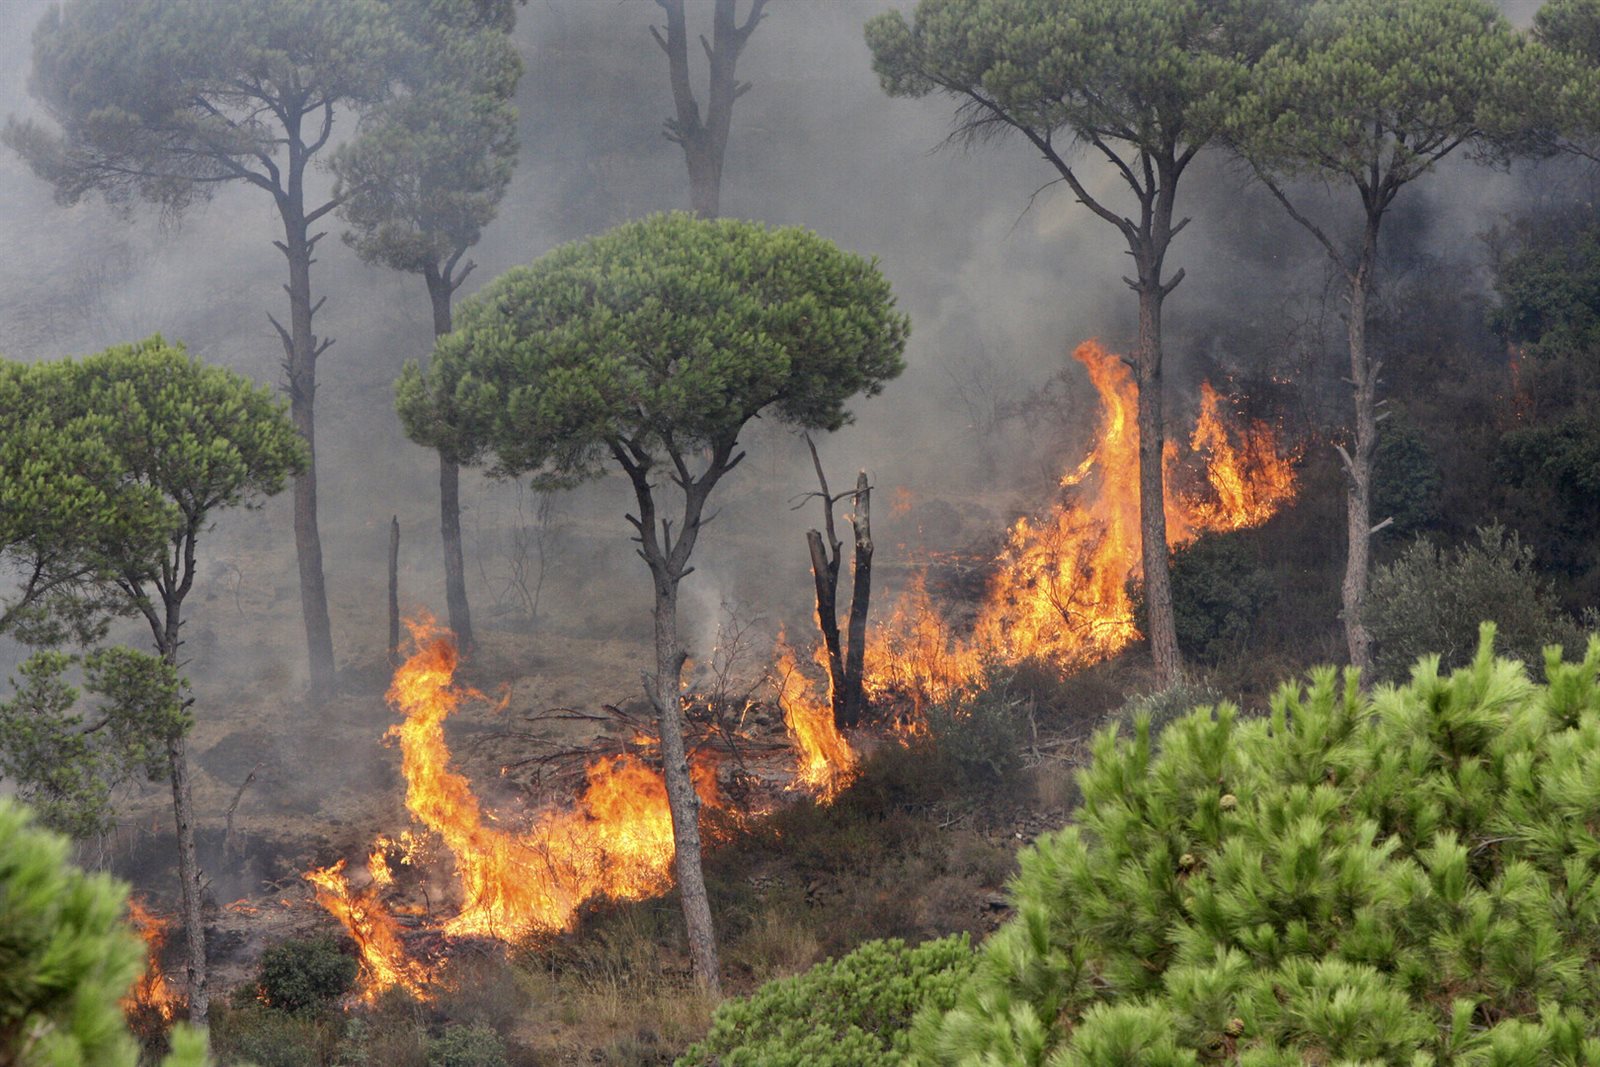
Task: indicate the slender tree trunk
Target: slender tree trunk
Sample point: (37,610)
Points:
(1152,493)
(189,874)
(168,637)
(825,577)
(681,797)
(440,291)
(394,590)
(303,349)
(705,141)
(860,597)
(1358,464)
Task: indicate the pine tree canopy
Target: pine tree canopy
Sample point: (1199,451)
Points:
(1407,876)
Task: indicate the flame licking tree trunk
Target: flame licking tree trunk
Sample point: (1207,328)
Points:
(668,561)
(844,661)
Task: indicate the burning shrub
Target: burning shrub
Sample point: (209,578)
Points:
(304,975)
(1395,877)
(855,1011)
(467,1046)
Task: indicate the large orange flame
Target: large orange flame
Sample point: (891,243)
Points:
(616,841)
(1061,592)
(151,992)
(384,962)
(825,762)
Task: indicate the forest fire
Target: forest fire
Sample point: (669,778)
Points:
(150,995)
(1061,592)
(824,760)
(615,841)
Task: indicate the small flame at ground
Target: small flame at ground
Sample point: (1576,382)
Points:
(384,962)
(150,992)
(825,762)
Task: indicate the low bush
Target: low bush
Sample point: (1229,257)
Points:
(853,1012)
(1397,877)
(476,1045)
(1432,600)
(980,738)
(304,975)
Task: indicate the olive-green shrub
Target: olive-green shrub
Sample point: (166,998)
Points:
(1403,877)
(856,1011)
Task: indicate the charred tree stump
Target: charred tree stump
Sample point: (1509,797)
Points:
(860,597)
(845,662)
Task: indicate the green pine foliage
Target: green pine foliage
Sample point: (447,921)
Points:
(856,1011)
(66,958)
(1404,876)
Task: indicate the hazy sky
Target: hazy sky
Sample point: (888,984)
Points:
(999,291)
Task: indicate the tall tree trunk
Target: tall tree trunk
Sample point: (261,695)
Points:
(681,797)
(1358,463)
(189,875)
(705,141)
(1152,492)
(440,291)
(303,349)
(860,597)
(168,637)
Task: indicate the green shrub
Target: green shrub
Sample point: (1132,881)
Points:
(254,1035)
(853,1012)
(1402,877)
(467,1046)
(1431,601)
(980,737)
(1161,709)
(304,975)
(1218,591)
(66,958)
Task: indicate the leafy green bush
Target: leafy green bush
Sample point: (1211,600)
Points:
(304,975)
(467,1046)
(1161,708)
(1431,601)
(66,958)
(1217,592)
(251,1034)
(1401,877)
(980,737)
(1406,483)
(853,1012)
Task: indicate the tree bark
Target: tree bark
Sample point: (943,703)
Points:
(705,142)
(302,348)
(1358,461)
(441,288)
(825,576)
(681,797)
(190,877)
(860,597)
(668,560)
(1152,494)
